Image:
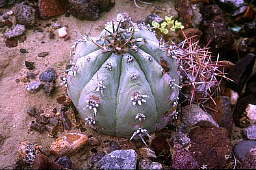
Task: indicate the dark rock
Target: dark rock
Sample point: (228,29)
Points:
(49,88)
(240,117)
(43,54)
(119,159)
(49,75)
(33,111)
(153,17)
(224,114)
(183,159)
(37,127)
(11,43)
(25,14)
(242,148)
(64,162)
(15,31)
(50,8)
(250,132)
(29,65)
(34,87)
(209,146)
(31,75)
(23,50)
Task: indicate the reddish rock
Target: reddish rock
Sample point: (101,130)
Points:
(183,159)
(209,146)
(68,143)
(51,8)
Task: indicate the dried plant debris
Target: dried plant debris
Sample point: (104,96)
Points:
(201,75)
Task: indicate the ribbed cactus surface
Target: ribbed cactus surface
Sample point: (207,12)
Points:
(118,82)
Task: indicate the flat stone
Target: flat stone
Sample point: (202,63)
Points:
(119,159)
(242,148)
(250,132)
(34,87)
(43,54)
(15,31)
(68,143)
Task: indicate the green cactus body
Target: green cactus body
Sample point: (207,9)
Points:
(110,89)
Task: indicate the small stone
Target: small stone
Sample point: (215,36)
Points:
(182,139)
(250,132)
(15,31)
(147,153)
(50,8)
(156,165)
(34,87)
(33,111)
(30,65)
(43,54)
(242,148)
(93,141)
(49,75)
(37,127)
(251,112)
(145,164)
(62,32)
(25,14)
(11,43)
(68,143)
(119,159)
(193,114)
(23,50)
(233,97)
(65,162)
(31,75)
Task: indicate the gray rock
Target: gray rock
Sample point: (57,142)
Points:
(148,164)
(243,147)
(25,14)
(250,132)
(48,76)
(193,114)
(15,31)
(34,86)
(119,159)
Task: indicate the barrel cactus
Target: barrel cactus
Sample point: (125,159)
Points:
(118,82)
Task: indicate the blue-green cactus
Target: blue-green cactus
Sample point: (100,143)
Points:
(117,82)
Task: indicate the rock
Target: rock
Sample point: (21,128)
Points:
(250,132)
(27,152)
(34,87)
(33,111)
(250,112)
(96,157)
(193,114)
(183,159)
(15,31)
(236,3)
(224,114)
(233,97)
(240,115)
(43,54)
(23,50)
(50,8)
(68,143)
(30,65)
(119,159)
(93,141)
(25,14)
(31,75)
(62,32)
(182,139)
(49,75)
(34,125)
(11,43)
(64,162)
(242,148)
(147,153)
(148,164)
(209,146)
(83,9)
(250,160)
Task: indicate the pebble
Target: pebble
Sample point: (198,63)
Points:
(119,159)
(193,114)
(34,86)
(25,14)
(11,43)
(148,164)
(147,153)
(23,50)
(242,148)
(15,31)
(49,75)
(62,32)
(43,54)
(29,65)
(251,112)
(250,132)
(68,143)
(65,162)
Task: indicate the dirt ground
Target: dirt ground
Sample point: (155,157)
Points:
(15,100)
